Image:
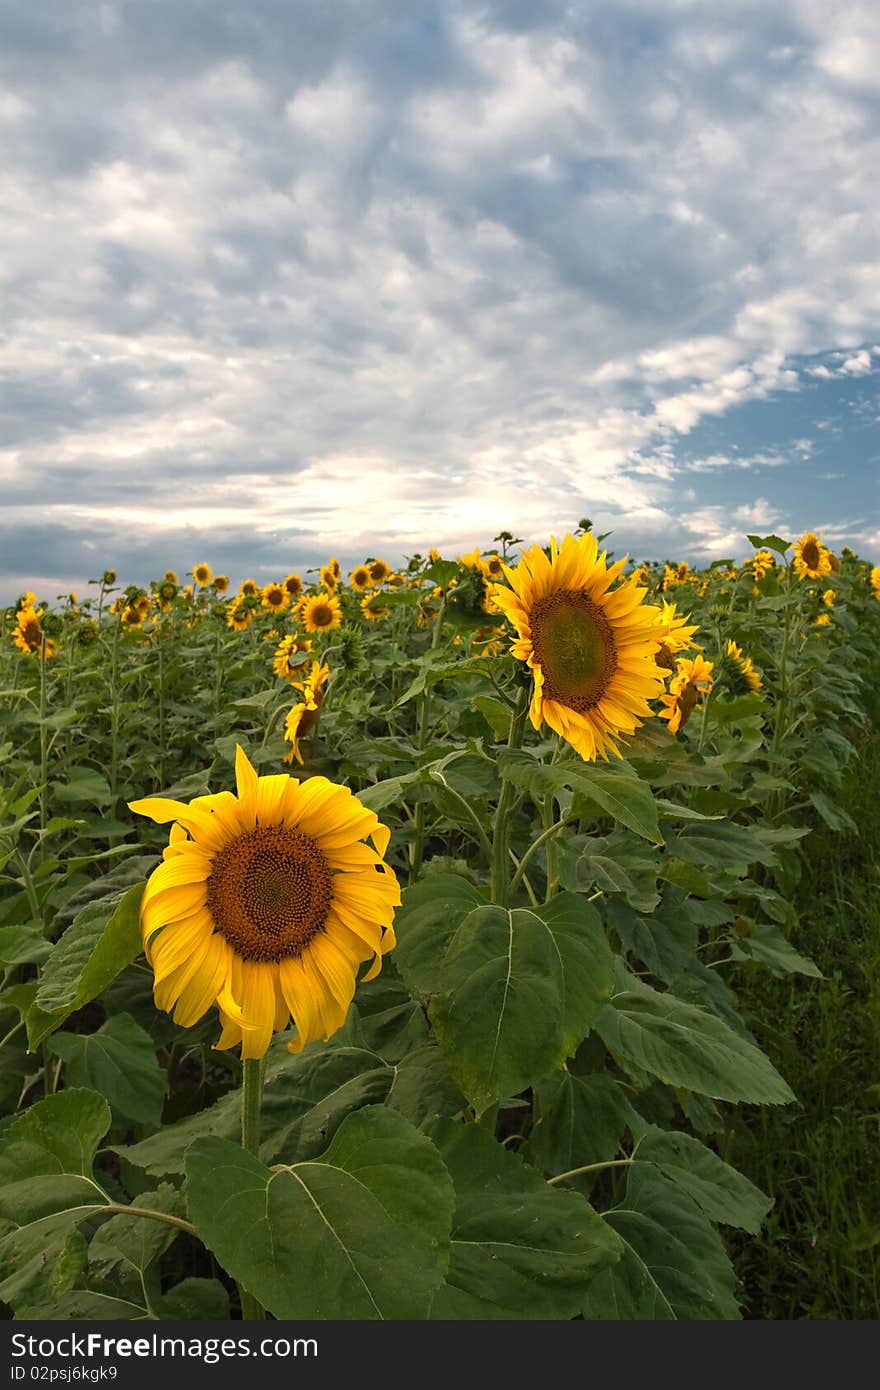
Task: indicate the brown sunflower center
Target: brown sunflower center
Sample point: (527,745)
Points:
(810,555)
(269,892)
(32,633)
(574,644)
(322,615)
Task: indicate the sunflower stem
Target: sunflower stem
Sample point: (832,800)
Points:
(44,745)
(501,843)
(418,845)
(251,1098)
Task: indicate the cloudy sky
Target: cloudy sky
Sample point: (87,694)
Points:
(282,279)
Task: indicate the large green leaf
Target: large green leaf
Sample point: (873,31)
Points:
(719,1190)
(428,918)
(587,963)
(47,1187)
(520,1248)
(124,1251)
(361,1233)
(578,1120)
(674,1264)
(767,944)
(685,1046)
(118,1061)
(720,844)
(101,941)
(616,791)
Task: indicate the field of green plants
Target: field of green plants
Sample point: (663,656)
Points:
(493,937)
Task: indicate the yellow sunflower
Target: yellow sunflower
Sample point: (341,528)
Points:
(132,616)
(811,558)
(293,585)
(762,562)
(28,633)
(433,554)
(170,577)
(290,655)
(751,677)
(373,609)
(329,579)
(472,561)
(591,648)
(239,616)
(108,578)
(250,588)
(321,612)
(275,597)
(492,567)
(334,567)
(266,904)
(675,632)
(379,571)
(823,620)
(221,583)
(875,581)
(303,718)
(202,574)
(359,578)
(690,679)
(828,597)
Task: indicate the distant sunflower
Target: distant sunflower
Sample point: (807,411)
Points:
(811,557)
(329,579)
(132,616)
(202,574)
(291,655)
(321,612)
(293,585)
(433,554)
(170,577)
(334,566)
(591,649)
(266,904)
(275,597)
(166,594)
(690,680)
(221,583)
(250,588)
(828,597)
(492,567)
(875,581)
(676,634)
(379,571)
(359,578)
(373,609)
(763,561)
(303,718)
(28,632)
(822,620)
(239,616)
(744,669)
(472,560)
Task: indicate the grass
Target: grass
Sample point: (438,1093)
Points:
(818,1255)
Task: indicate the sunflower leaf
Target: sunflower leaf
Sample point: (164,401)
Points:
(362,1233)
(520,1248)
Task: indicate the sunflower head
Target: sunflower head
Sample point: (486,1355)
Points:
(169,577)
(378,571)
(275,597)
(321,612)
(359,578)
(249,588)
(221,583)
(589,641)
(811,557)
(691,679)
(266,904)
(202,574)
(293,585)
(828,597)
(29,634)
(329,579)
(108,578)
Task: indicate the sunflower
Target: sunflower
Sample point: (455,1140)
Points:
(359,578)
(811,557)
(290,655)
(379,571)
(492,567)
(329,579)
(828,597)
(875,581)
(239,616)
(166,594)
(762,562)
(293,585)
(676,634)
(265,905)
(303,718)
(743,666)
(275,597)
(433,554)
(591,648)
(221,583)
(472,561)
(28,633)
(334,566)
(169,577)
(132,616)
(108,578)
(373,608)
(321,612)
(690,679)
(202,574)
(249,588)
(822,620)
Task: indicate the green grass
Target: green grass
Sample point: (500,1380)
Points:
(818,1256)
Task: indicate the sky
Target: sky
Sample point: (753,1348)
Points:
(281,280)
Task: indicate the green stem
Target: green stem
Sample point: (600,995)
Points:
(161,700)
(501,845)
(590,1168)
(536,845)
(164,1216)
(418,845)
(44,744)
(251,1097)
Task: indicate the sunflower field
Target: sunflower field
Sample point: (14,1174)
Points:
(387,945)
